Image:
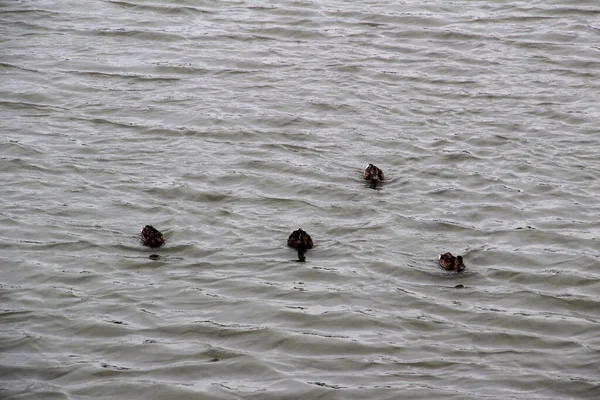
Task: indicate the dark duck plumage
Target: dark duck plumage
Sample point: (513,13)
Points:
(300,240)
(373,173)
(451,263)
(152,236)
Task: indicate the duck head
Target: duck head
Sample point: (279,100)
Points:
(458,264)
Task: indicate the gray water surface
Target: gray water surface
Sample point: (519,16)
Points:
(228,124)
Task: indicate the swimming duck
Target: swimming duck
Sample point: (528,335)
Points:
(300,240)
(372,173)
(152,236)
(451,263)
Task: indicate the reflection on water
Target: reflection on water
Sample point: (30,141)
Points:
(301,256)
(377,185)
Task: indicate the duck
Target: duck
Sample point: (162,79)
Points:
(300,240)
(451,263)
(152,237)
(373,173)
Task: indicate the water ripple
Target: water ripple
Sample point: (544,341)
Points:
(228,125)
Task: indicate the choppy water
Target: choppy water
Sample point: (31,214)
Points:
(228,124)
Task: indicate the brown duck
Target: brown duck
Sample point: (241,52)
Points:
(373,173)
(152,236)
(300,240)
(451,263)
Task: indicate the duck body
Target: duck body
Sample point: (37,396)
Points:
(450,263)
(300,240)
(373,173)
(152,237)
